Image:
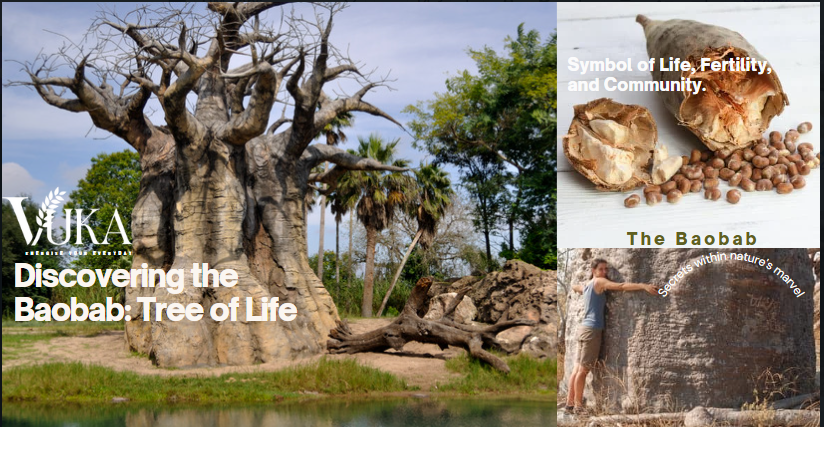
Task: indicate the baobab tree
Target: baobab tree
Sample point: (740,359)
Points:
(221,184)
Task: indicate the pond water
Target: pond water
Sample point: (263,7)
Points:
(464,412)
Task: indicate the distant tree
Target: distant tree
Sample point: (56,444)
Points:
(15,249)
(485,181)
(111,184)
(506,114)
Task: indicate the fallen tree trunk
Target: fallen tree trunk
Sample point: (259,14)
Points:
(410,326)
(797,401)
(703,417)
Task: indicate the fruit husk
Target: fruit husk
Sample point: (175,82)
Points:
(617,164)
(736,107)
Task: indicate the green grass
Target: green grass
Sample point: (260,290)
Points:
(527,375)
(67,328)
(80,383)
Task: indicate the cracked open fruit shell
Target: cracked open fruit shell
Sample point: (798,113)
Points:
(735,107)
(611,144)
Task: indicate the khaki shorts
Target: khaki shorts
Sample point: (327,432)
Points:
(589,346)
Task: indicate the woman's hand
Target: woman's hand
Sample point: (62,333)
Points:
(651,289)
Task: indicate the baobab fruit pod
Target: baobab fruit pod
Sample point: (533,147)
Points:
(611,144)
(733,108)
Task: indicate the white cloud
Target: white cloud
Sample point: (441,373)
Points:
(17,180)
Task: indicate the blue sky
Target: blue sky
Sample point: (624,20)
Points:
(419,44)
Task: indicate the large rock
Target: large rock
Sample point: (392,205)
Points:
(721,327)
(464,313)
(520,291)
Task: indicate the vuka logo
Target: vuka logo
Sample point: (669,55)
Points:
(46,214)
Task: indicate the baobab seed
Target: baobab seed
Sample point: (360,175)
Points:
(805,127)
(783,160)
(784,188)
(804,146)
(792,169)
(632,201)
(775,136)
(712,194)
(725,174)
(695,186)
(653,197)
(694,173)
(684,186)
(722,153)
(746,171)
(783,153)
(803,168)
(652,188)
(748,185)
(674,196)
(668,186)
(761,149)
(763,185)
(778,145)
(733,196)
(710,172)
(756,174)
(768,172)
(798,181)
(792,135)
(678,177)
(760,161)
(734,164)
(773,159)
(695,156)
(706,155)
(790,145)
(685,160)
(781,168)
(748,154)
(779,179)
(717,163)
(795,158)
(711,183)
(736,180)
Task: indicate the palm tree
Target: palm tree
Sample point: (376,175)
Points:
(381,194)
(431,198)
(334,136)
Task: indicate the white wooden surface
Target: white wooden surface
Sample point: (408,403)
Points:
(786,34)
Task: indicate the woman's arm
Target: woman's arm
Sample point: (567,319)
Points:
(578,288)
(607,285)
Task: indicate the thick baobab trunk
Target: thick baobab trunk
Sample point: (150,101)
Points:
(239,212)
(369,273)
(726,329)
(320,235)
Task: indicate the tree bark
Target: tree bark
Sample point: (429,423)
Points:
(488,251)
(398,272)
(704,417)
(369,273)
(411,326)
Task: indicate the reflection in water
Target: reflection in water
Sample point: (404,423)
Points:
(382,412)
